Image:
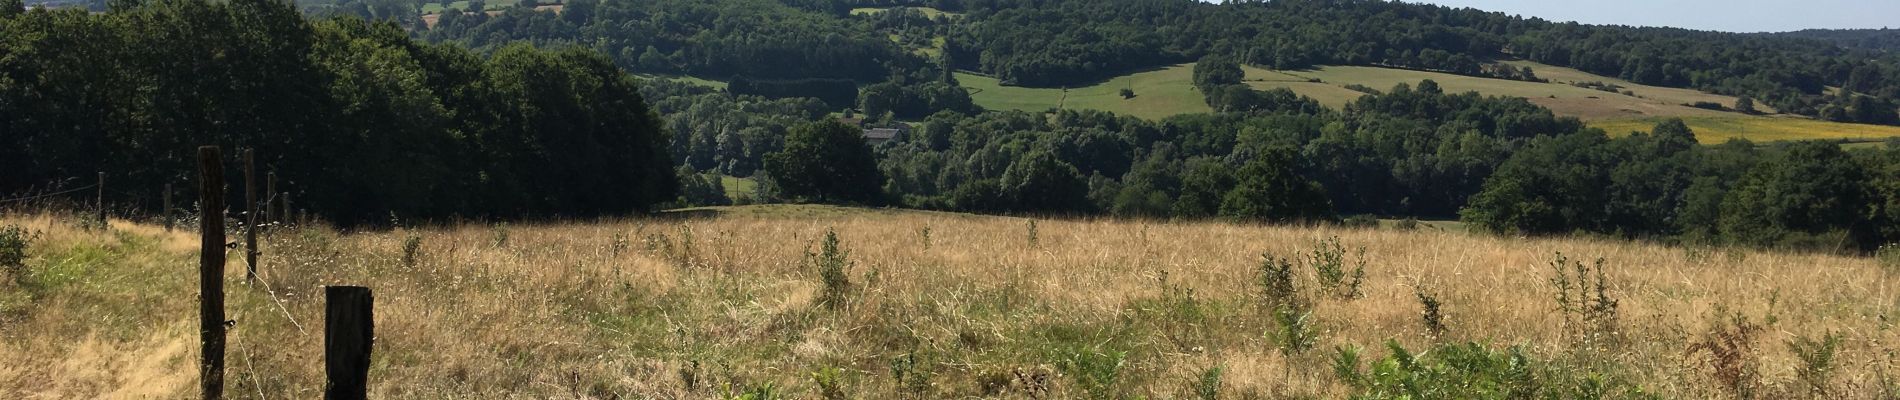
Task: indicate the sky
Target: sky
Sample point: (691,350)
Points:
(1719,15)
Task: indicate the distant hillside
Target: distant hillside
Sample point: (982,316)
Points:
(1884,39)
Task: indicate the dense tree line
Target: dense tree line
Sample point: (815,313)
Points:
(714,131)
(1072,42)
(1884,39)
(1412,151)
(360,121)
(1661,185)
(759,39)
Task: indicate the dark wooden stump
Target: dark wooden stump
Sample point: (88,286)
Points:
(348,333)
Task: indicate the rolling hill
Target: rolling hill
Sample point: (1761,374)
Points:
(1169,91)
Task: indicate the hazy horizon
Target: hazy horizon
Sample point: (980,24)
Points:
(1716,15)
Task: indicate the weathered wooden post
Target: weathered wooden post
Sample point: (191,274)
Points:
(285,197)
(270,205)
(250,217)
(211,270)
(348,333)
(167,214)
(101,200)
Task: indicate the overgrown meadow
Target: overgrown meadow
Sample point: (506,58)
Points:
(802,302)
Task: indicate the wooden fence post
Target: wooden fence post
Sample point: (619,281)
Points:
(250,217)
(285,197)
(211,270)
(270,205)
(348,333)
(101,200)
(167,214)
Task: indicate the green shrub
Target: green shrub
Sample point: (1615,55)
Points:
(763,391)
(831,263)
(1817,361)
(1098,373)
(1208,388)
(410,249)
(13,242)
(909,374)
(1329,264)
(1470,371)
(1276,282)
(1430,312)
(1292,330)
(830,383)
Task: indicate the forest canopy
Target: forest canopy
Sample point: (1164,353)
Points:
(361,122)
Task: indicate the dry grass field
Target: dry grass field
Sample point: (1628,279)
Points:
(726,303)
(1722,129)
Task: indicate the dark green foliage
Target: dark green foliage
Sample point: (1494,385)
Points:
(1812,196)
(1208,388)
(361,121)
(1041,183)
(1472,371)
(760,39)
(836,93)
(1430,312)
(1293,329)
(1746,105)
(1271,189)
(830,383)
(826,161)
(1217,71)
(912,102)
(13,243)
(1098,373)
(1663,185)
(1277,287)
(699,190)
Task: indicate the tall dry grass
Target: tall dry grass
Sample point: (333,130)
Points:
(711,307)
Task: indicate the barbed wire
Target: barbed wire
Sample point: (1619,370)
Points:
(50,194)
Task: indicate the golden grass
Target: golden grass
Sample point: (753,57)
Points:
(633,308)
(1712,130)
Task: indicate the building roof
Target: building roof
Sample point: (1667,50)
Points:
(880,133)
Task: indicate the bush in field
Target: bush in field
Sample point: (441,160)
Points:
(1817,361)
(831,263)
(13,242)
(1329,264)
